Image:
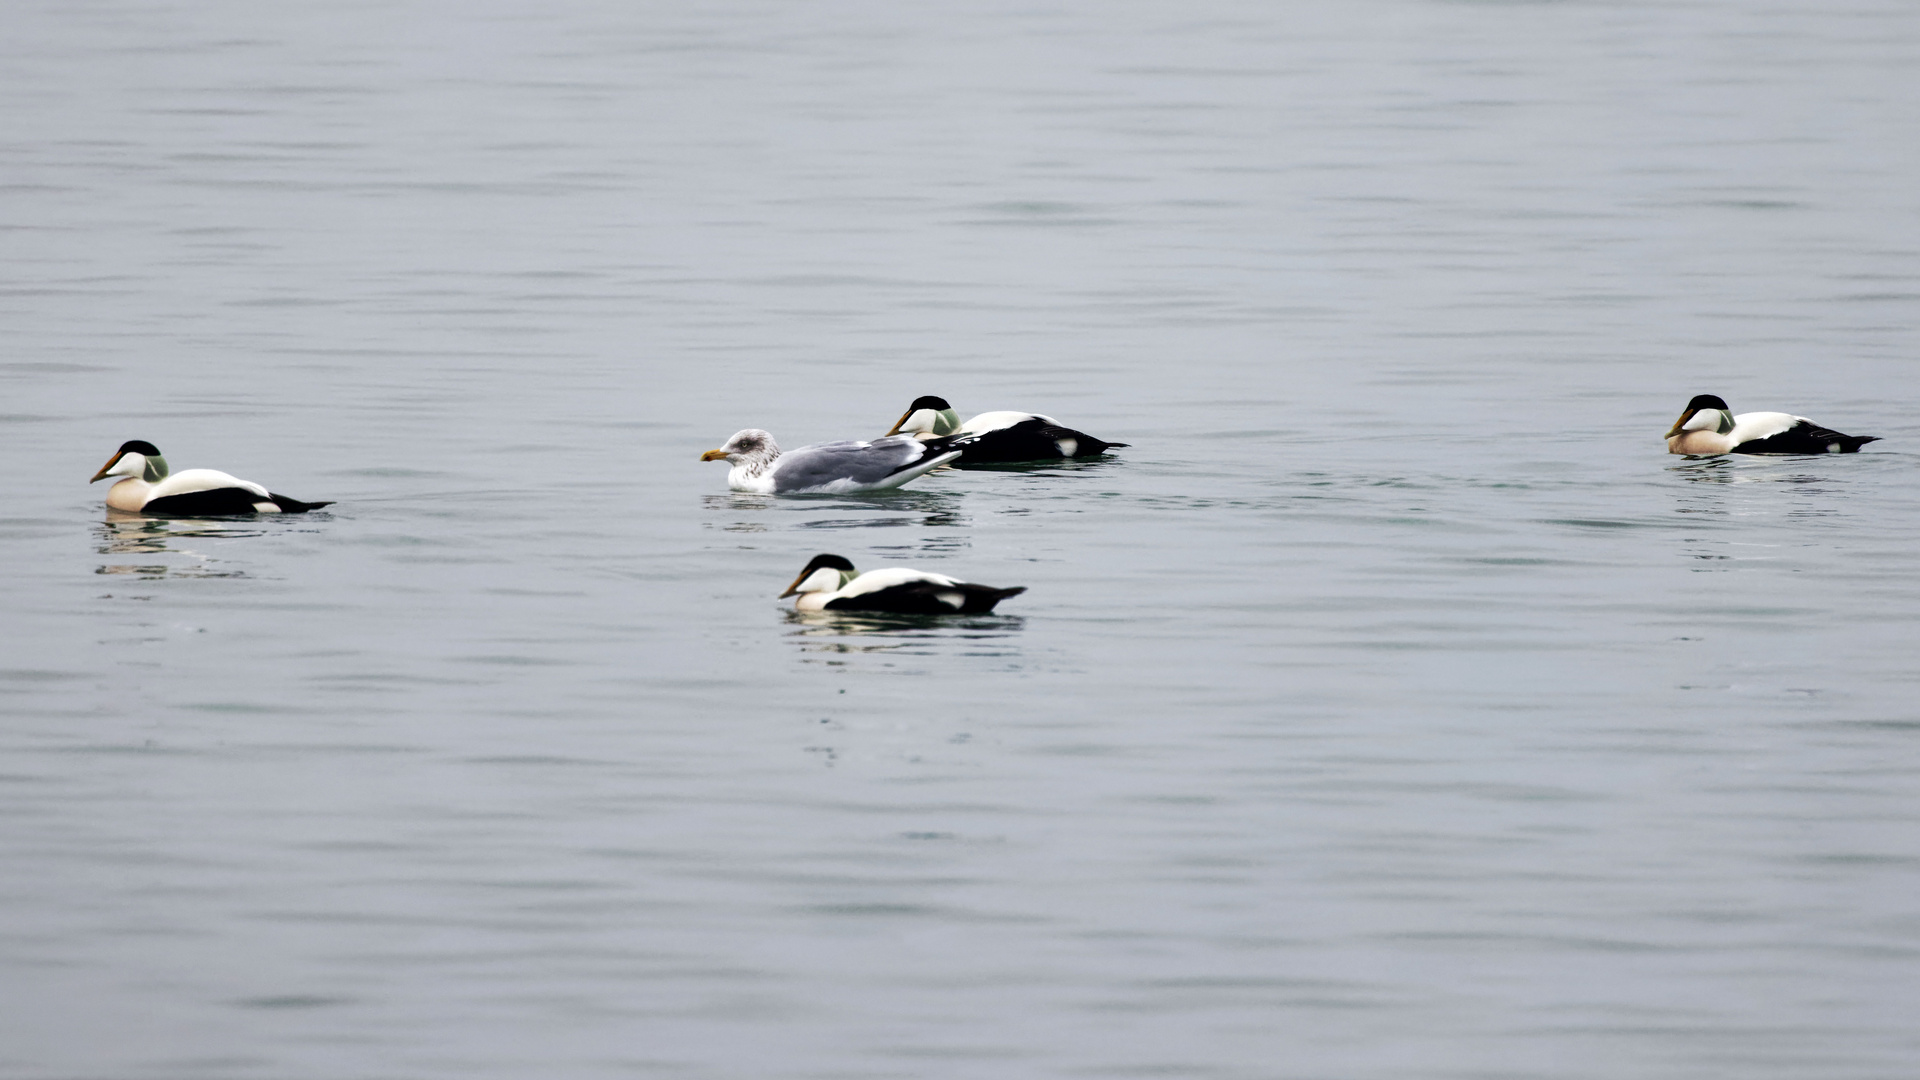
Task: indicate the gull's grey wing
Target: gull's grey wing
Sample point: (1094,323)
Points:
(862,463)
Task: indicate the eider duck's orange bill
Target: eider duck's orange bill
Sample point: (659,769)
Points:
(895,429)
(795,587)
(1682,422)
(102,474)
(714,455)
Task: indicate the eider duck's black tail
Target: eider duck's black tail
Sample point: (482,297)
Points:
(294,506)
(981,598)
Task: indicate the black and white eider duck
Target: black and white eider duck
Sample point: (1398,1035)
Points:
(828,468)
(830,583)
(1709,427)
(1001,436)
(150,488)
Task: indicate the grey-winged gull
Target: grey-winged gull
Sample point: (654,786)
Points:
(828,468)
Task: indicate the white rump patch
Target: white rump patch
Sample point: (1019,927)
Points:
(1067,446)
(954,600)
(266,508)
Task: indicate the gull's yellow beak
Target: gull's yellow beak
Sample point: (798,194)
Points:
(793,588)
(895,429)
(102,474)
(1682,422)
(714,455)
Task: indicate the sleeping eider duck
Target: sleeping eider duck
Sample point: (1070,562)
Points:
(149,488)
(1709,427)
(829,468)
(830,583)
(1001,436)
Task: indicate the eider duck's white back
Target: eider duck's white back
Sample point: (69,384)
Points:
(149,487)
(1709,427)
(830,468)
(830,583)
(1003,436)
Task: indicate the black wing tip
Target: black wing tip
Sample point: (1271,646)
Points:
(295,506)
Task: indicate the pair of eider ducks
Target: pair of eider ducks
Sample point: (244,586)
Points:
(830,583)
(149,487)
(928,436)
(1709,427)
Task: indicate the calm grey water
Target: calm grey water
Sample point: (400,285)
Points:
(1394,708)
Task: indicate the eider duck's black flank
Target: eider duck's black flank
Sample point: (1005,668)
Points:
(1708,426)
(148,486)
(223,502)
(1000,437)
(1806,437)
(927,598)
(830,583)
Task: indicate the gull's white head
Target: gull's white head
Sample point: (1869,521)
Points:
(826,573)
(752,448)
(135,458)
(927,416)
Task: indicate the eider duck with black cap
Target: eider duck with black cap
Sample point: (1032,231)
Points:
(1000,436)
(1709,427)
(150,488)
(830,583)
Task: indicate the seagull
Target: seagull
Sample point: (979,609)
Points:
(828,468)
(830,583)
(1001,436)
(1709,427)
(149,488)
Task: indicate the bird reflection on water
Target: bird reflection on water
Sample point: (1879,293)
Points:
(1725,498)
(125,533)
(922,509)
(851,632)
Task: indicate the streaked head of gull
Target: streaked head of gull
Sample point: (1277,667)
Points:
(751,449)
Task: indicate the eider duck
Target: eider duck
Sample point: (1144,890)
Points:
(829,468)
(830,583)
(149,488)
(1001,436)
(1709,427)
